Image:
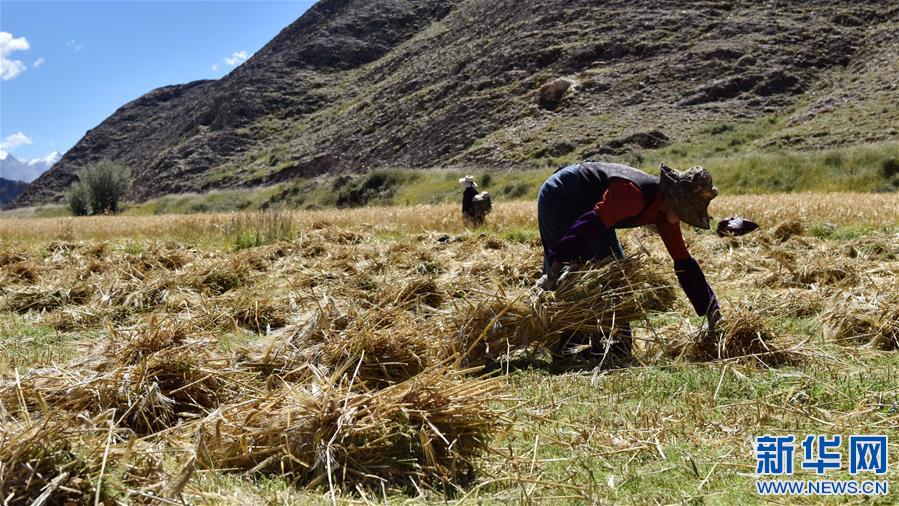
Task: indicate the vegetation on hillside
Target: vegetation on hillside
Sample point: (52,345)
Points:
(99,189)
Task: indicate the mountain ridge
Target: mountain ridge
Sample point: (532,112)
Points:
(352,86)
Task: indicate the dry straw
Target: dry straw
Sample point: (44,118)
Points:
(429,429)
(595,299)
(856,320)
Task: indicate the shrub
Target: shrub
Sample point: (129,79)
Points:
(78,199)
(890,167)
(380,186)
(99,189)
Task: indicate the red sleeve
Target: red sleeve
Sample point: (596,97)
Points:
(622,200)
(673,239)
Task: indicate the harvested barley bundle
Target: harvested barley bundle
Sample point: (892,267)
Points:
(607,293)
(429,429)
(291,351)
(70,318)
(786,230)
(168,386)
(216,276)
(18,272)
(151,394)
(139,293)
(260,309)
(40,461)
(381,357)
(742,334)
(795,302)
(595,299)
(873,248)
(8,257)
(493,327)
(853,319)
(810,271)
(826,271)
(58,460)
(46,296)
(415,289)
(131,346)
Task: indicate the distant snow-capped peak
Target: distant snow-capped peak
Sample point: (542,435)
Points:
(46,161)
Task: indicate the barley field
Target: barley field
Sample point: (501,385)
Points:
(392,355)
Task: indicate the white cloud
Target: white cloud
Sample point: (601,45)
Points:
(15,140)
(215,67)
(37,63)
(10,68)
(75,45)
(236,58)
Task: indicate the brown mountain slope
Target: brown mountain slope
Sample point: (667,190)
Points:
(356,84)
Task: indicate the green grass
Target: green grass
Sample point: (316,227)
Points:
(24,342)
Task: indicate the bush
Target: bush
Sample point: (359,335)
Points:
(99,189)
(380,186)
(890,167)
(78,199)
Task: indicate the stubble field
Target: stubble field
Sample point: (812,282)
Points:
(389,354)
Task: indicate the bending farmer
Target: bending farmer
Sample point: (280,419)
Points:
(580,206)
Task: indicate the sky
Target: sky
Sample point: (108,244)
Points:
(67,65)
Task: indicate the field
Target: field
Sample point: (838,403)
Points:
(388,355)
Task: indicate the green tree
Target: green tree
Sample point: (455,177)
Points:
(78,199)
(100,188)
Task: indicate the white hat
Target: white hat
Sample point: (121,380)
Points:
(467,181)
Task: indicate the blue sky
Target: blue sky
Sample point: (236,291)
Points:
(67,65)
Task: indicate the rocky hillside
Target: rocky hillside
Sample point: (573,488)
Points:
(10,189)
(354,85)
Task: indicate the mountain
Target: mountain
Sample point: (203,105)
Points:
(355,85)
(10,189)
(42,165)
(12,168)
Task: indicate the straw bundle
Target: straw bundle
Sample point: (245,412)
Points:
(429,429)
(416,289)
(215,277)
(155,258)
(288,352)
(608,294)
(495,327)
(741,334)
(786,230)
(380,357)
(18,272)
(875,323)
(258,309)
(46,296)
(40,461)
(596,299)
(8,257)
(83,317)
(153,394)
(59,460)
(810,271)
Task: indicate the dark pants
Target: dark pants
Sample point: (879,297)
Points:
(559,206)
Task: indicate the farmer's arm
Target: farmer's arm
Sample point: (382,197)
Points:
(689,274)
(621,200)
